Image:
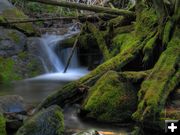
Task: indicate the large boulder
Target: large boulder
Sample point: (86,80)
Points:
(110,99)
(46,122)
(12,104)
(2,125)
(12,42)
(9,13)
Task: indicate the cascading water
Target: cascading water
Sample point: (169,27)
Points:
(54,61)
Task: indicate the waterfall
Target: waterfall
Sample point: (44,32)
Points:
(54,59)
(48,56)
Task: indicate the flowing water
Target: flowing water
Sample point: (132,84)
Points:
(34,90)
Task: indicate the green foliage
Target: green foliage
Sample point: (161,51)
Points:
(2,125)
(7,71)
(110,99)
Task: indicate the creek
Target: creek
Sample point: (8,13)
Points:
(34,90)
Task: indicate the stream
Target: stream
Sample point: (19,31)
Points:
(34,90)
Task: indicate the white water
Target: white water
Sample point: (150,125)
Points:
(54,61)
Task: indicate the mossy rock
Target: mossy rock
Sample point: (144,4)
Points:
(2,125)
(15,14)
(110,100)
(46,122)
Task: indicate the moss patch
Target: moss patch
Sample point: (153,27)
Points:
(110,99)
(2,125)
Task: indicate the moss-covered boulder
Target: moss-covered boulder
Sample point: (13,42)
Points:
(110,99)
(9,13)
(46,122)
(2,125)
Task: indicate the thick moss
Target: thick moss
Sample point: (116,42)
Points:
(164,77)
(15,14)
(2,125)
(46,122)
(110,99)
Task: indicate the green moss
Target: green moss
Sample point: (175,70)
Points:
(14,13)
(2,125)
(60,117)
(110,99)
(13,35)
(164,77)
(7,70)
(146,22)
(122,43)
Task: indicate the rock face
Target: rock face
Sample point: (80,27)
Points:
(2,125)
(11,104)
(46,122)
(110,99)
(9,12)
(12,42)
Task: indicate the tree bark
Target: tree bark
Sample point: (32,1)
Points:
(81,6)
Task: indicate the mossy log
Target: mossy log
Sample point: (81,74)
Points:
(100,40)
(163,79)
(81,6)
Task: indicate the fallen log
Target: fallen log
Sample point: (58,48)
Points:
(81,6)
(37,20)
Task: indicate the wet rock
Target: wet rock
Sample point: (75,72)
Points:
(12,104)
(12,42)
(89,132)
(46,122)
